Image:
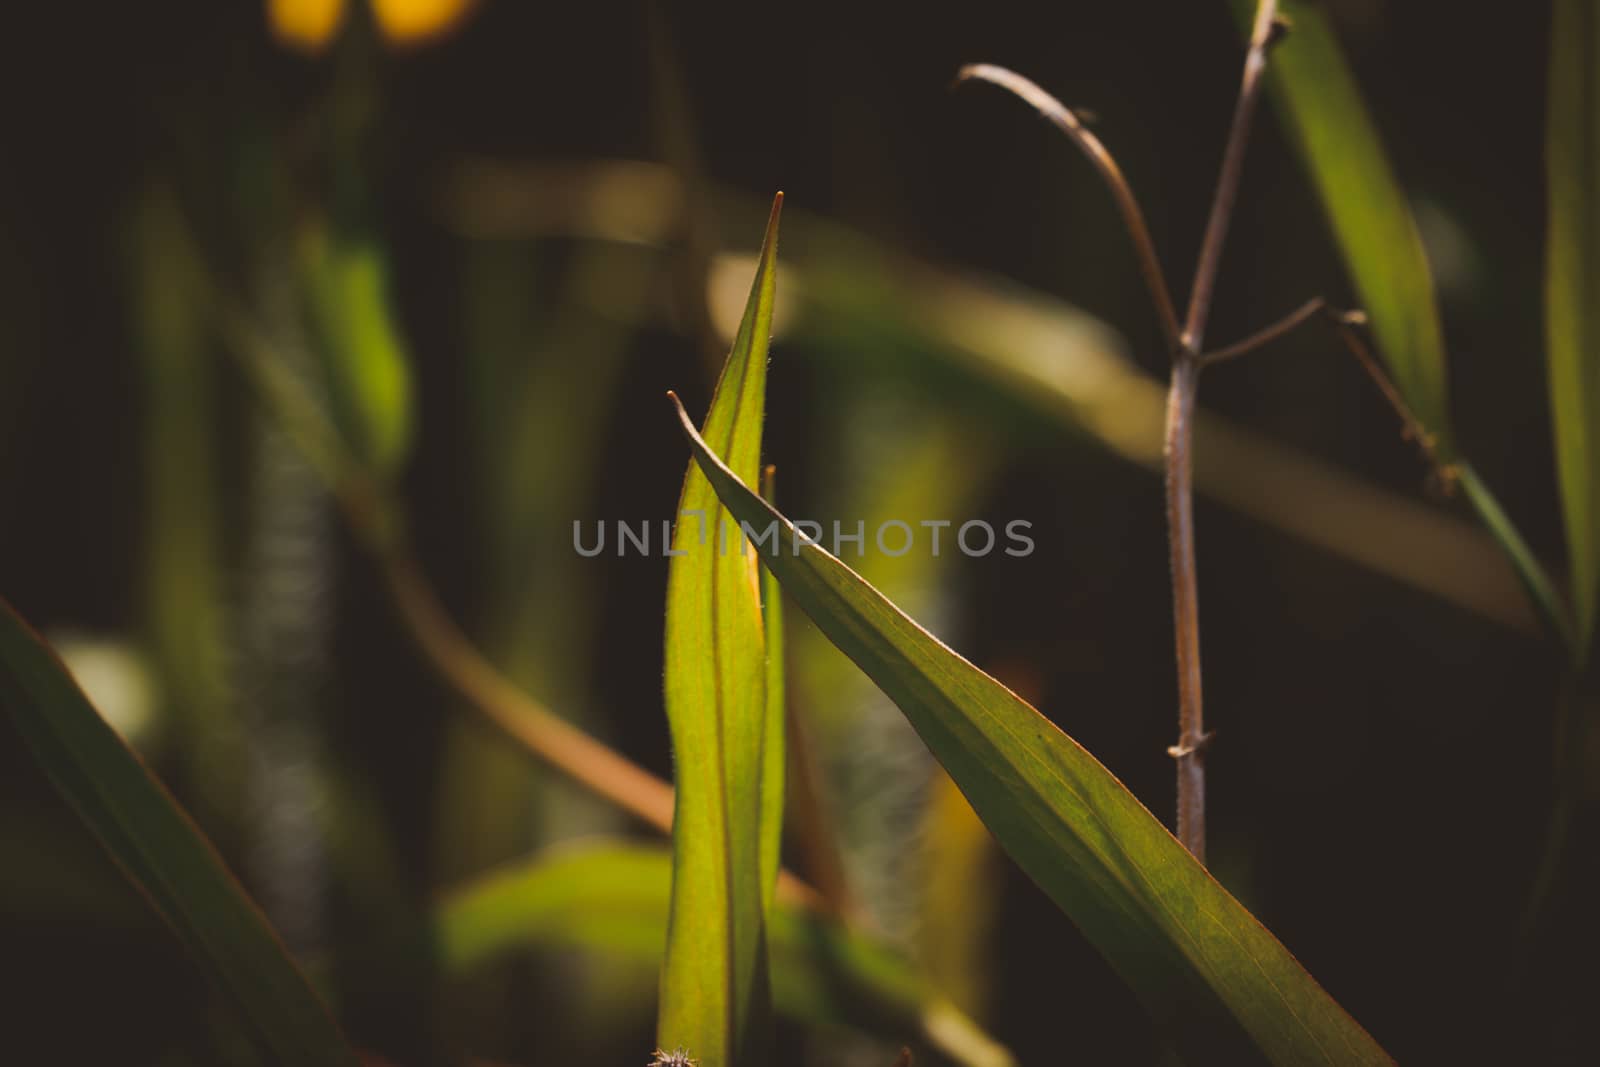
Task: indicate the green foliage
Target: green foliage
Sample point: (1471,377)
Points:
(1214,979)
(714,985)
(1367,210)
(369,381)
(162,852)
(1373,225)
(612,898)
(1572,290)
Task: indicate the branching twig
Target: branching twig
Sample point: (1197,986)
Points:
(1266,30)
(1192,736)
(1263,337)
(1187,362)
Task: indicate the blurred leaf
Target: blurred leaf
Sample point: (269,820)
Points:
(961,897)
(305,24)
(1367,210)
(369,381)
(714,989)
(614,898)
(1572,289)
(162,852)
(1377,234)
(184,564)
(1022,359)
(1214,979)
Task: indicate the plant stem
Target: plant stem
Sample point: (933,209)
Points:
(1066,120)
(587,761)
(1190,749)
(1192,737)
(1268,334)
(1262,34)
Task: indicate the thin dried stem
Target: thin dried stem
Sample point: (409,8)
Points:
(1189,752)
(1344,325)
(536,728)
(1263,337)
(1065,120)
(1265,30)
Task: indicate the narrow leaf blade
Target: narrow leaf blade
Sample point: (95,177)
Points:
(1367,210)
(1377,234)
(1572,290)
(1212,976)
(714,992)
(162,852)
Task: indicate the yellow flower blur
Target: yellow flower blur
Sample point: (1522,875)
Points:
(309,25)
(406,22)
(305,24)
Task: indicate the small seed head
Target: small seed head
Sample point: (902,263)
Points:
(675,1058)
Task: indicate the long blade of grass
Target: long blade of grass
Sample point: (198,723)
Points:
(613,898)
(1214,979)
(1572,290)
(184,590)
(162,852)
(1373,226)
(714,993)
(1367,211)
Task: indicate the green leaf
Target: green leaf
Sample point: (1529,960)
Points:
(1367,210)
(184,569)
(1377,234)
(714,983)
(1214,979)
(162,852)
(1535,582)
(369,380)
(1572,290)
(614,898)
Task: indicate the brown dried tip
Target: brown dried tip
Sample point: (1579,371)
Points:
(904,1059)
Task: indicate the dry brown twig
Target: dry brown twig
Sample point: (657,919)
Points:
(1188,359)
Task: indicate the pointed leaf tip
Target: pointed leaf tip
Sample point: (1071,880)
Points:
(1218,983)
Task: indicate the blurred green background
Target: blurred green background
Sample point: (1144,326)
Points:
(546,212)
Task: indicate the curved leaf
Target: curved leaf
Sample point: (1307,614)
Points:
(162,852)
(1214,979)
(613,898)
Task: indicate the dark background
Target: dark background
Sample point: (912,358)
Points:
(1381,776)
